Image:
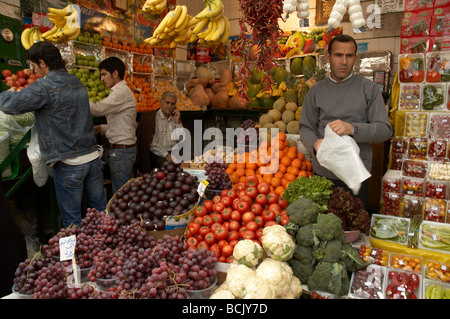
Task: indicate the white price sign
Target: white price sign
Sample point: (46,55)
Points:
(67,247)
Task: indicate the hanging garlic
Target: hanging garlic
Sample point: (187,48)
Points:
(302,9)
(337,13)
(356,14)
(289,7)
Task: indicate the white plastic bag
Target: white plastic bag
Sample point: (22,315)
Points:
(340,154)
(4,152)
(40,169)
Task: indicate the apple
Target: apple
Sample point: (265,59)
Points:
(20,74)
(33,76)
(14,76)
(6,73)
(29,81)
(27,72)
(22,81)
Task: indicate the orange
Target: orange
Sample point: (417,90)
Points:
(250,172)
(240,166)
(284,181)
(279,174)
(290,177)
(293,149)
(279,190)
(275,182)
(251,166)
(267,178)
(282,136)
(293,170)
(232,166)
(229,171)
(301,156)
(286,161)
(308,165)
(282,168)
(302,174)
(291,155)
(296,162)
(240,172)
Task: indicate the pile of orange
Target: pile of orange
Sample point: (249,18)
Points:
(143,48)
(141,67)
(292,164)
(145,99)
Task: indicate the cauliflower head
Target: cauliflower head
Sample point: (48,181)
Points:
(236,278)
(222,294)
(247,252)
(276,274)
(254,288)
(277,243)
(295,290)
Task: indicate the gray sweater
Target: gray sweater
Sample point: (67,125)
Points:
(356,100)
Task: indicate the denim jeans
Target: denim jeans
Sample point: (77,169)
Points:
(71,181)
(121,162)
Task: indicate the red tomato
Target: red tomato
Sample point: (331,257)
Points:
(226,200)
(233,235)
(252,180)
(226,224)
(246,198)
(207,220)
(270,223)
(193,228)
(191,241)
(203,231)
(259,221)
(200,211)
(251,192)
(233,242)
(268,215)
(252,225)
(216,199)
(234,225)
(240,186)
(215,249)
(221,243)
(256,209)
(261,199)
(226,213)
(235,203)
(215,225)
(248,234)
(283,202)
(263,188)
(217,217)
(248,217)
(231,193)
(198,220)
(272,197)
(258,233)
(243,207)
(210,238)
(218,207)
(221,233)
(222,259)
(284,219)
(275,208)
(227,250)
(208,204)
(202,244)
(224,192)
(235,215)
(241,231)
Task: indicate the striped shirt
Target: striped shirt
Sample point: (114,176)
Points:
(162,144)
(119,108)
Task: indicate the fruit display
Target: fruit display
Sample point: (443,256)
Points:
(415,168)
(168,191)
(437,148)
(249,136)
(200,161)
(435,209)
(435,235)
(154,6)
(30,36)
(436,189)
(66,24)
(217,179)
(416,124)
(413,186)
(439,171)
(390,204)
(410,97)
(21,79)
(90,78)
(436,70)
(184,103)
(373,255)
(437,271)
(390,228)
(433,97)
(439,126)
(406,262)
(368,283)
(417,147)
(437,290)
(403,285)
(399,144)
(87,37)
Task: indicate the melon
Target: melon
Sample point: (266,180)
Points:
(264,119)
(288,116)
(269,125)
(280,105)
(266,101)
(280,76)
(254,102)
(281,126)
(292,142)
(257,75)
(291,106)
(309,62)
(275,114)
(253,90)
(292,127)
(297,66)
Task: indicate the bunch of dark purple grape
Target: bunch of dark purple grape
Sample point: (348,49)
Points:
(217,178)
(249,138)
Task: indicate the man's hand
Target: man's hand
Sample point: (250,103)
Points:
(12,89)
(317,144)
(176,116)
(97,129)
(340,127)
(169,158)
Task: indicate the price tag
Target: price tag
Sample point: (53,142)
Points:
(201,187)
(67,247)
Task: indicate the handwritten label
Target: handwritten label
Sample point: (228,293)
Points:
(67,247)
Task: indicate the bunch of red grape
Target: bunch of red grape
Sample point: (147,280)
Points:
(27,272)
(249,137)
(216,177)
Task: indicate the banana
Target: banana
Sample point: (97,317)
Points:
(50,32)
(219,16)
(211,33)
(150,4)
(73,20)
(183,26)
(192,22)
(200,26)
(160,7)
(24,38)
(184,38)
(207,31)
(73,35)
(226,31)
(61,12)
(218,9)
(193,38)
(175,15)
(219,30)
(202,14)
(183,18)
(35,35)
(162,25)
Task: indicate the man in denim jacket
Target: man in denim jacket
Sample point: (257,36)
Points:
(65,128)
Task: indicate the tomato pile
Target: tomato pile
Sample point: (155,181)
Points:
(235,214)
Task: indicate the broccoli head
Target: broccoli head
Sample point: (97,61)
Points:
(300,270)
(351,259)
(328,227)
(329,277)
(304,254)
(303,211)
(329,251)
(305,236)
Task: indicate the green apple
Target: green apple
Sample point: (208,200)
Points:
(101,87)
(86,34)
(96,36)
(91,40)
(78,74)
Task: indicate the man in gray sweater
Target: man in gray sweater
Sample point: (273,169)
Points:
(350,104)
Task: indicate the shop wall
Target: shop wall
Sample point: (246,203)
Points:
(10,8)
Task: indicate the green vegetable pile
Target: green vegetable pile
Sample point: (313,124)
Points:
(315,188)
(321,258)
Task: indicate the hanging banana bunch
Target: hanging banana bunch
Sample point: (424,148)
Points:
(30,36)
(154,6)
(67,24)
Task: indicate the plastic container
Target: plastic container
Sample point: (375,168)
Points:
(433,97)
(439,170)
(436,189)
(435,209)
(399,144)
(433,289)
(105,284)
(19,295)
(406,262)
(429,236)
(368,283)
(390,204)
(414,168)
(391,182)
(437,271)
(439,126)
(203,293)
(411,206)
(416,124)
(418,147)
(396,161)
(410,97)
(83,274)
(411,67)
(436,69)
(390,228)
(437,148)
(413,186)
(401,284)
